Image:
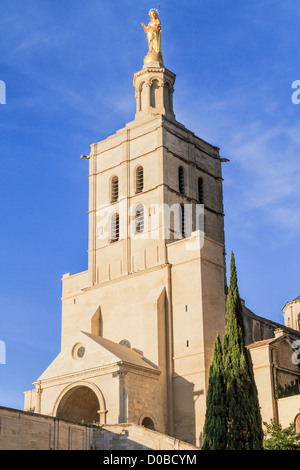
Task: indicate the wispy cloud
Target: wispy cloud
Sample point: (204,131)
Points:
(36,41)
(264,151)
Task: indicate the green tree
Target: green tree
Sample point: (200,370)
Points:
(277,438)
(215,428)
(243,414)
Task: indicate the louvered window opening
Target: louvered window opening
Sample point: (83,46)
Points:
(139,219)
(114,189)
(115,228)
(139,180)
(181,179)
(182,221)
(200,191)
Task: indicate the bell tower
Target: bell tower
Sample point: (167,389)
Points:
(138,326)
(292,313)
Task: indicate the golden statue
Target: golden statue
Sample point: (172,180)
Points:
(153,31)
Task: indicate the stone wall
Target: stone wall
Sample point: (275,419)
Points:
(288,410)
(258,328)
(21,430)
(133,437)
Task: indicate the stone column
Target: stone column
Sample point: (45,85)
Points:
(123,411)
(39,392)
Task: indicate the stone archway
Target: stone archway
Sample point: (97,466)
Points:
(81,403)
(148,423)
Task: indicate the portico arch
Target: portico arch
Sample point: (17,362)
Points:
(81,402)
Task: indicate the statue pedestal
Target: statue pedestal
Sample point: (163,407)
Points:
(154,87)
(153,59)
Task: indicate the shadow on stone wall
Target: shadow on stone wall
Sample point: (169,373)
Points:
(133,437)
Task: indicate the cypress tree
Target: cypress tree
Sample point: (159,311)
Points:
(243,413)
(215,428)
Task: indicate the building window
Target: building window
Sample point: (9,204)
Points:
(125,343)
(181,179)
(200,191)
(115,228)
(154,94)
(139,219)
(148,423)
(182,220)
(143,97)
(139,180)
(114,189)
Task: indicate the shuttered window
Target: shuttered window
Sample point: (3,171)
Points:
(181,180)
(114,189)
(182,220)
(139,219)
(200,191)
(139,180)
(115,228)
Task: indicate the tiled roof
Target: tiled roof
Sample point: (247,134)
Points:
(257,344)
(122,352)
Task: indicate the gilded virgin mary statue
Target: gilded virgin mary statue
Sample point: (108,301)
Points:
(153,31)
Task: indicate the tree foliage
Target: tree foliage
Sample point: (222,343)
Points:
(277,438)
(241,406)
(287,390)
(243,413)
(215,429)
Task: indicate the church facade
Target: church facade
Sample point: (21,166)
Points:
(138,326)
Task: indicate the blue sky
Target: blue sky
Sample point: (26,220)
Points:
(68,68)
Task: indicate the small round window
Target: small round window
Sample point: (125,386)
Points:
(78,351)
(125,343)
(81,351)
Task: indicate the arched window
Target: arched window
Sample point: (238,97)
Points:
(139,179)
(182,220)
(143,96)
(181,179)
(139,219)
(200,191)
(125,343)
(114,189)
(115,228)
(148,423)
(154,94)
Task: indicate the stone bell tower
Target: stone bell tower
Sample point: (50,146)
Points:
(292,313)
(138,326)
